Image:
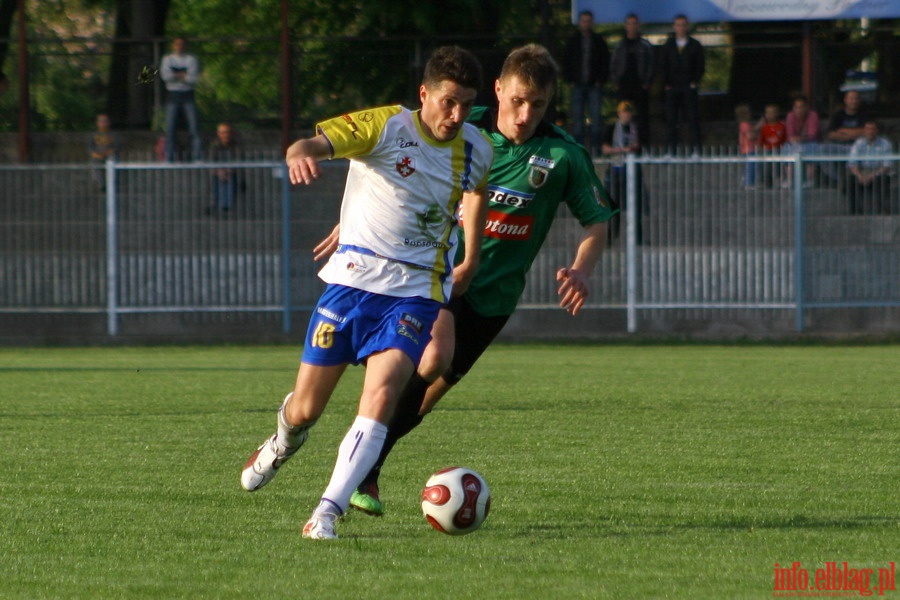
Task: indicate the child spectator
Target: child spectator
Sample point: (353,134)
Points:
(772,132)
(102,145)
(747,138)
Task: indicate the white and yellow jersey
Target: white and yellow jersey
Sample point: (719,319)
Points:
(398,215)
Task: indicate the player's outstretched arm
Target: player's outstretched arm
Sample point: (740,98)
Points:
(573,281)
(303,158)
(475,207)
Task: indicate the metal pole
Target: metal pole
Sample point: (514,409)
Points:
(631,240)
(286,247)
(807,59)
(798,238)
(287,112)
(112,259)
(158,115)
(24,99)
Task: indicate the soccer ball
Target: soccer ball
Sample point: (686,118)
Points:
(456,500)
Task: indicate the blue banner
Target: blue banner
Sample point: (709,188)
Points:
(712,11)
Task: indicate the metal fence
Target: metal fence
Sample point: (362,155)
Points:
(798,233)
(138,238)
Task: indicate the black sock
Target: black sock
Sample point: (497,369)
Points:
(406,418)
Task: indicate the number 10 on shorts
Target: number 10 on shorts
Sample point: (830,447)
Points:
(323,336)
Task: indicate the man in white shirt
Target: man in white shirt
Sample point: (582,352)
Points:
(180,70)
(869,177)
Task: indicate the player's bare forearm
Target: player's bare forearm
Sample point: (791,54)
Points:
(303,158)
(463,273)
(474,206)
(573,281)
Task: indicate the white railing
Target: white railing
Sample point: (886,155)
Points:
(147,238)
(699,239)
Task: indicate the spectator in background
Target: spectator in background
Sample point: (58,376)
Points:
(585,67)
(845,127)
(225,148)
(623,138)
(747,140)
(803,135)
(869,185)
(180,70)
(772,135)
(631,70)
(848,124)
(682,65)
(102,145)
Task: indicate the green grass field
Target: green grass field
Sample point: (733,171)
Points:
(617,472)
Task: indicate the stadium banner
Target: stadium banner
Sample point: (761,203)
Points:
(712,11)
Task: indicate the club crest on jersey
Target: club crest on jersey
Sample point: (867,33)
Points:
(405,165)
(540,170)
(538,177)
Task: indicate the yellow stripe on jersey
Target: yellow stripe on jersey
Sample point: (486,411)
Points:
(355,134)
(460,160)
(460,165)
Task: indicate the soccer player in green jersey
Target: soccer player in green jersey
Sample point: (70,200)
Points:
(536,167)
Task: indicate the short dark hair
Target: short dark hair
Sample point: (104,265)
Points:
(586,12)
(452,63)
(534,65)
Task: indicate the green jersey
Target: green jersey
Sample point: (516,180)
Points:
(525,187)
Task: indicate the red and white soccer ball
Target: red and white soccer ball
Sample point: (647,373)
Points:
(456,500)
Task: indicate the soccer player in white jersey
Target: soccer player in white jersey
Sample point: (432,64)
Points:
(393,268)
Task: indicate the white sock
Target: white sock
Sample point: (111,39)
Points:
(356,456)
(326,510)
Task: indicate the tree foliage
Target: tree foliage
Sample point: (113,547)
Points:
(343,54)
(86,54)
(67,66)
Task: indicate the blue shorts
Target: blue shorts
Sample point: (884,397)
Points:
(348,325)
